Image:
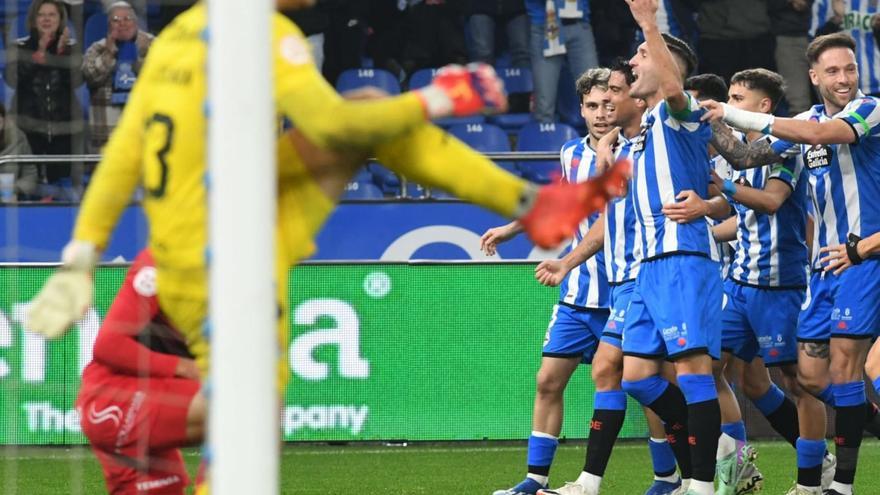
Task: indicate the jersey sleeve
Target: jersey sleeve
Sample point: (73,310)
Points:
(118,173)
(319,112)
(134,307)
(863,115)
(686,120)
(789,170)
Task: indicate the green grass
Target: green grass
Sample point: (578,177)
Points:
(463,468)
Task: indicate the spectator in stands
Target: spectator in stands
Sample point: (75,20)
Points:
(434,34)
(313,22)
(44,69)
(791,24)
(560,32)
(139,6)
(485,16)
(734,35)
(110,68)
(345,40)
(14,142)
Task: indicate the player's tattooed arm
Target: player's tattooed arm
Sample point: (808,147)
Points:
(739,154)
(819,350)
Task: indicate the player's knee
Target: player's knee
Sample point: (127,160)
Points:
(647,390)
(607,375)
(811,381)
(550,384)
(754,389)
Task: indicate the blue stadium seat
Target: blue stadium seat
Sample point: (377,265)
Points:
(363,174)
(414,190)
(362,190)
(422,78)
(358,78)
(486,138)
(95,29)
(516,80)
(385,179)
(543,137)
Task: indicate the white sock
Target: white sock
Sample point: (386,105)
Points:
(726,446)
(590,482)
(540,479)
(702,487)
(841,488)
(672,478)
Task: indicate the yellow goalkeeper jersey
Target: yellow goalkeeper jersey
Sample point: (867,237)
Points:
(161,138)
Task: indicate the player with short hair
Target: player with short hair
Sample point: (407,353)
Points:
(840,148)
(575,328)
(616,232)
(678,289)
(706,87)
(764,290)
(140,398)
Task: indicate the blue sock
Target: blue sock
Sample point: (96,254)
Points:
(697,388)
(737,430)
(770,402)
(810,453)
(614,400)
(661,457)
(877,385)
(827,396)
(849,394)
(542,448)
(646,390)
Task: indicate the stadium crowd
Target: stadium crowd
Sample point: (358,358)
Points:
(69,65)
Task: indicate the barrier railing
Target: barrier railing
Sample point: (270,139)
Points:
(517,156)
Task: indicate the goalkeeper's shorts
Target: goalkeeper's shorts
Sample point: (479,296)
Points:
(135,426)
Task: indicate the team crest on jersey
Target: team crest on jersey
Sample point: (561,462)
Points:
(818,156)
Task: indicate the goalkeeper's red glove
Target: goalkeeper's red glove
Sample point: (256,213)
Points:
(462,91)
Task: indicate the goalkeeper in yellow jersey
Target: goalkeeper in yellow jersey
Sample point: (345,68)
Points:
(159,143)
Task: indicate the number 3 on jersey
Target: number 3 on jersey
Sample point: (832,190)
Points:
(159,133)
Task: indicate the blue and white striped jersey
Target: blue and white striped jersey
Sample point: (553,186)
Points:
(623,244)
(771,249)
(725,249)
(671,156)
(857,22)
(822,11)
(586,286)
(844,179)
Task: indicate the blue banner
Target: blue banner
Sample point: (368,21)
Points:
(380,230)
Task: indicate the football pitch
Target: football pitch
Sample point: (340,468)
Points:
(364,469)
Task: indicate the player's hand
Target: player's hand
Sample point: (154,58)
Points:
(186,368)
(493,237)
(836,259)
(67,294)
(550,273)
(839,9)
(605,150)
(688,207)
(714,111)
(644,12)
(463,91)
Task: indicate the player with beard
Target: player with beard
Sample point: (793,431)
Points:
(840,144)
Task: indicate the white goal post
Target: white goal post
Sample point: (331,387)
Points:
(243,426)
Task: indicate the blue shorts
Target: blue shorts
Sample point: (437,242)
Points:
(758,321)
(619,300)
(674,309)
(856,310)
(813,323)
(574,332)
